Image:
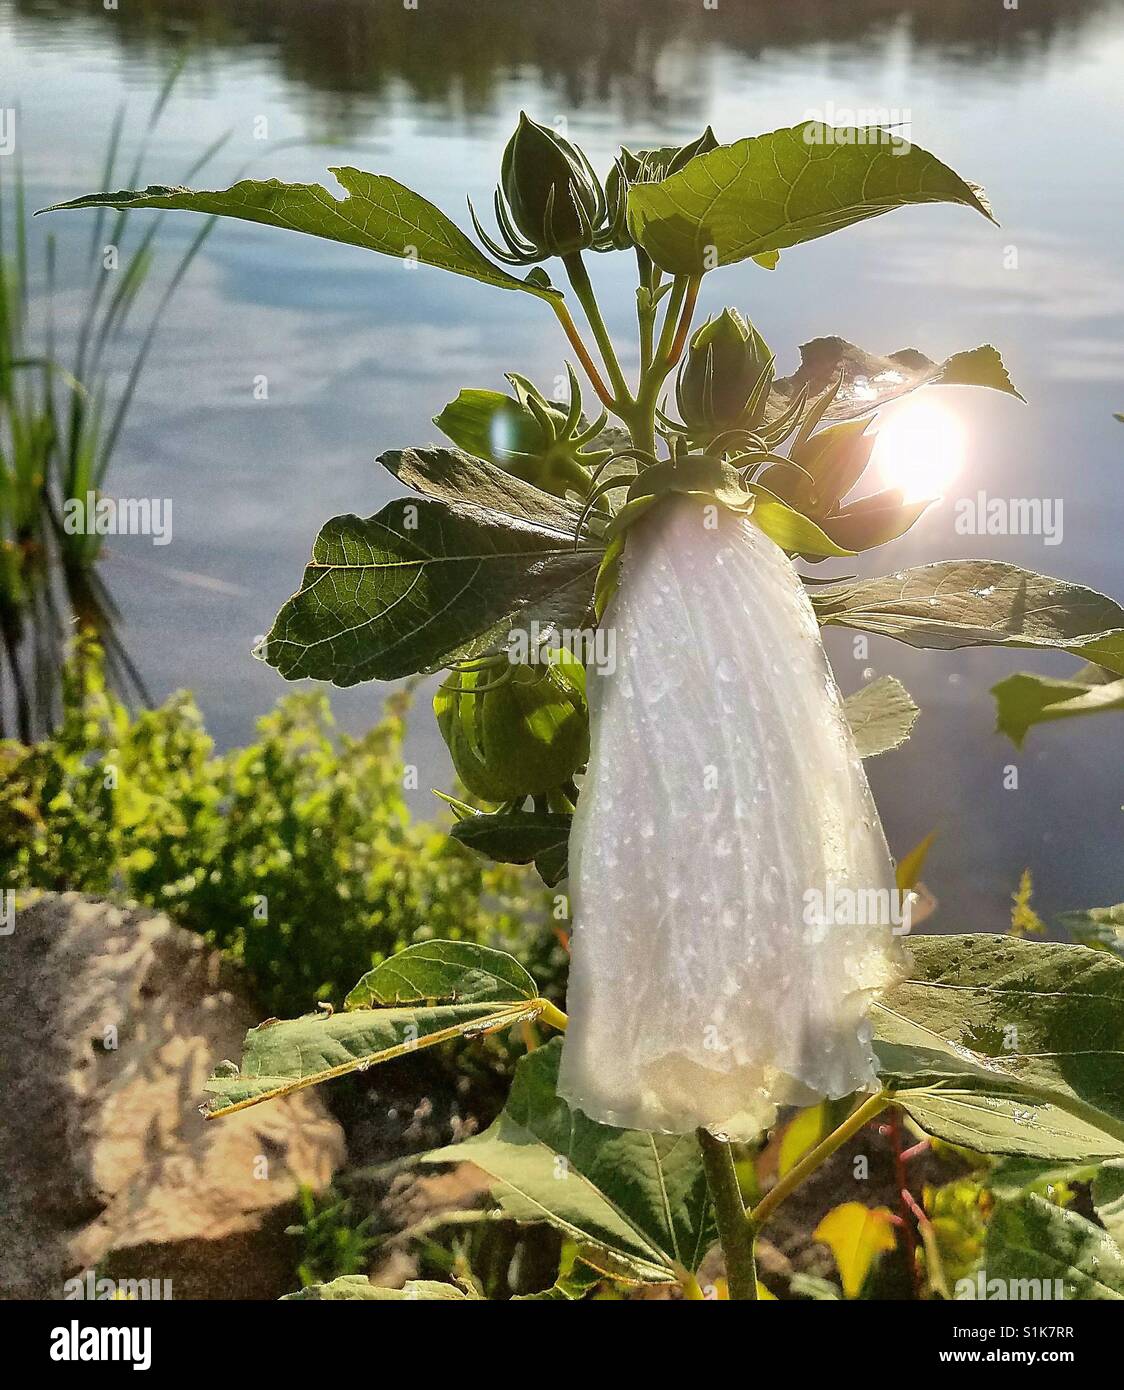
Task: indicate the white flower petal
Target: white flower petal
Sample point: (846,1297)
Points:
(723,789)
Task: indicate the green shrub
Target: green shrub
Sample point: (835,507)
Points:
(297,854)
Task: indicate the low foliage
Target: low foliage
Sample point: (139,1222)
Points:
(297,854)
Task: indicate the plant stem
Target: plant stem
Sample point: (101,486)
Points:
(735,1234)
(552,1015)
(670,321)
(893,1131)
(570,328)
(583,289)
(872,1106)
(933,1262)
(684,326)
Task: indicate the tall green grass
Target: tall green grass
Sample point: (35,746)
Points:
(61,417)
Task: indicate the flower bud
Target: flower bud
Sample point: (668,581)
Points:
(831,462)
(725,378)
(733,895)
(515,730)
(647,166)
(553,197)
(526,435)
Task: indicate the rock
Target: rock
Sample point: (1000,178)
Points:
(114,1018)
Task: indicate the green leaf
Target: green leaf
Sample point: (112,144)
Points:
(993,1121)
(281,1057)
(454,971)
(450,475)
(1108,1198)
(1013,1176)
(1025,699)
(1102,928)
(424,584)
(1031,1239)
(520,837)
(791,529)
(1009,1046)
(881,716)
(377,213)
(979,603)
(776,190)
(867,381)
(350,1287)
(635,1203)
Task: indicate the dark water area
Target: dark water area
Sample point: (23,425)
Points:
(359,353)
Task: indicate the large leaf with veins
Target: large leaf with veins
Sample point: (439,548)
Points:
(979,603)
(377,214)
(762,194)
(423,584)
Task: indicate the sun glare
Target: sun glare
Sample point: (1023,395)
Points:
(919,448)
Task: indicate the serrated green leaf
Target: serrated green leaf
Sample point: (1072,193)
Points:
(979,603)
(357,1287)
(999,1123)
(450,475)
(867,381)
(1033,1240)
(881,716)
(638,1200)
(437,971)
(1008,1046)
(789,186)
(1025,699)
(1102,928)
(377,214)
(424,584)
(279,1057)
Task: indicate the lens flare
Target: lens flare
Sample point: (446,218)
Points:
(920,448)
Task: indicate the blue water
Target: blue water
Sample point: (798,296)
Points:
(359,353)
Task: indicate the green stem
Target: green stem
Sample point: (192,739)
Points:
(570,328)
(735,1234)
(583,289)
(684,325)
(675,298)
(872,1106)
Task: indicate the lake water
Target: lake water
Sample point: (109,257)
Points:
(359,353)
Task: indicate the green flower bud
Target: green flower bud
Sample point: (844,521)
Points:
(725,377)
(647,166)
(515,731)
(528,436)
(553,197)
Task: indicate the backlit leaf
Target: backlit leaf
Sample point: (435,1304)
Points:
(788,186)
(377,213)
(881,716)
(979,603)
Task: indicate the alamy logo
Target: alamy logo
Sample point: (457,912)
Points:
(980,1287)
(77,1343)
(7,911)
(91,1288)
(858,907)
(1010,516)
(864,125)
(118,516)
(595,648)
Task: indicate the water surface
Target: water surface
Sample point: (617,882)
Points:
(359,353)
